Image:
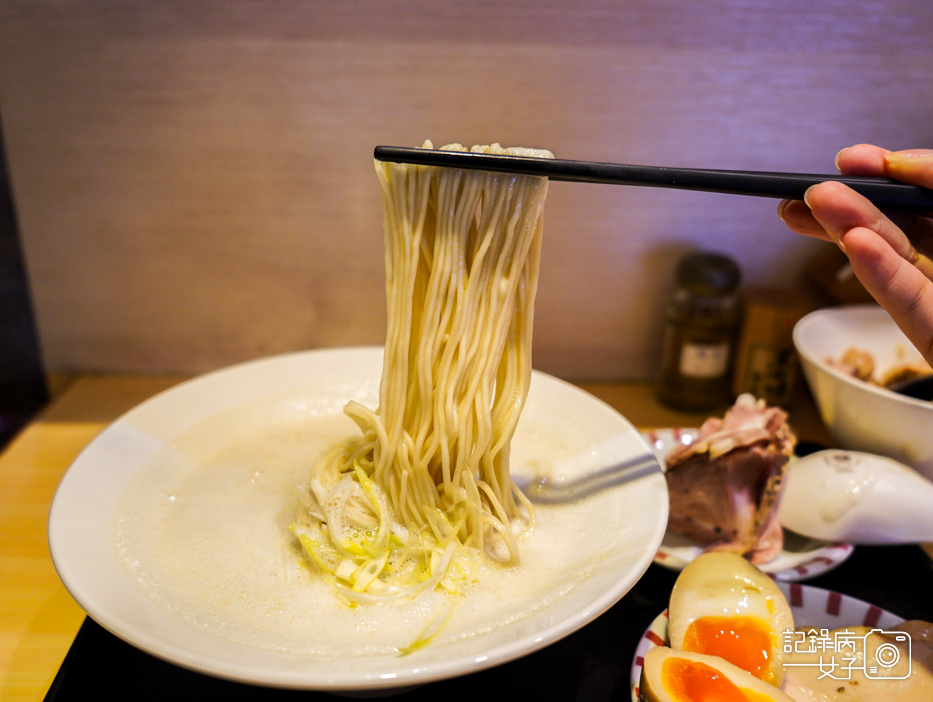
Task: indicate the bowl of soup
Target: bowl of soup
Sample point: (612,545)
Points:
(850,355)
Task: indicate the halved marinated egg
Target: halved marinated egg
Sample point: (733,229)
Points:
(724,606)
(684,676)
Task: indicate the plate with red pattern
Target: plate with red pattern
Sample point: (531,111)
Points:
(812,607)
(801,558)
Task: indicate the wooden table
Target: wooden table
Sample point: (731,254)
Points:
(39,618)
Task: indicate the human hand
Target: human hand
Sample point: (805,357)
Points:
(889,253)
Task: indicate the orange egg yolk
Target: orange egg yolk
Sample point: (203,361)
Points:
(692,681)
(743,641)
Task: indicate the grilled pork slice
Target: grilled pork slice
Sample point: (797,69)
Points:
(724,487)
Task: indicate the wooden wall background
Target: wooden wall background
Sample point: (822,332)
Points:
(194,180)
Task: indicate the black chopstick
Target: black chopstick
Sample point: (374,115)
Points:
(884,192)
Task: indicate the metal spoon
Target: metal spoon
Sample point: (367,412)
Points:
(552,491)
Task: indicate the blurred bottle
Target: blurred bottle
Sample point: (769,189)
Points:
(700,334)
(766,362)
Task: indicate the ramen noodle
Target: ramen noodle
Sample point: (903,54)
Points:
(405,505)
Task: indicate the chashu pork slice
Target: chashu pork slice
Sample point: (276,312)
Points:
(724,487)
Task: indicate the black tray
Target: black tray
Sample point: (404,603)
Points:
(593,664)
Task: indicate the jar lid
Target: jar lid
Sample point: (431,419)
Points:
(708,274)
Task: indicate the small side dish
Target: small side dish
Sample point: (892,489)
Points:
(724,486)
(725,626)
(801,558)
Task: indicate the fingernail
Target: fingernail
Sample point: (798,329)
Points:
(806,196)
(838,154)
(910,154)
(781,206)
(836,237)
(838,241)
(908,158)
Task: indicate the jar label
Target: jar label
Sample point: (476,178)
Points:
(768,371)
(704,360)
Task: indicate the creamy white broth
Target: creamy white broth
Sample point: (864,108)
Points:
(203,530)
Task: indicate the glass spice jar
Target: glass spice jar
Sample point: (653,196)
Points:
(700,332)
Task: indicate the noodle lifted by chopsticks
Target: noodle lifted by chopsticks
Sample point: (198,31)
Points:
(393,509)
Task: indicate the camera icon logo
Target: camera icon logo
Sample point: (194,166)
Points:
(876,654)
(887,655)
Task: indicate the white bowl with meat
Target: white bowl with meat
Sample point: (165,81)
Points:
(849,355)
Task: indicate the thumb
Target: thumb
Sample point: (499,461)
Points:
(914,166)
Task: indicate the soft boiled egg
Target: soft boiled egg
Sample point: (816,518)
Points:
(683,676)
(722,605)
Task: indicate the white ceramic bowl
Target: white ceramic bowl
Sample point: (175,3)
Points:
(247,415)
(861,416)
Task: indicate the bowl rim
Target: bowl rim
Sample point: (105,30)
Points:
(821,364)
